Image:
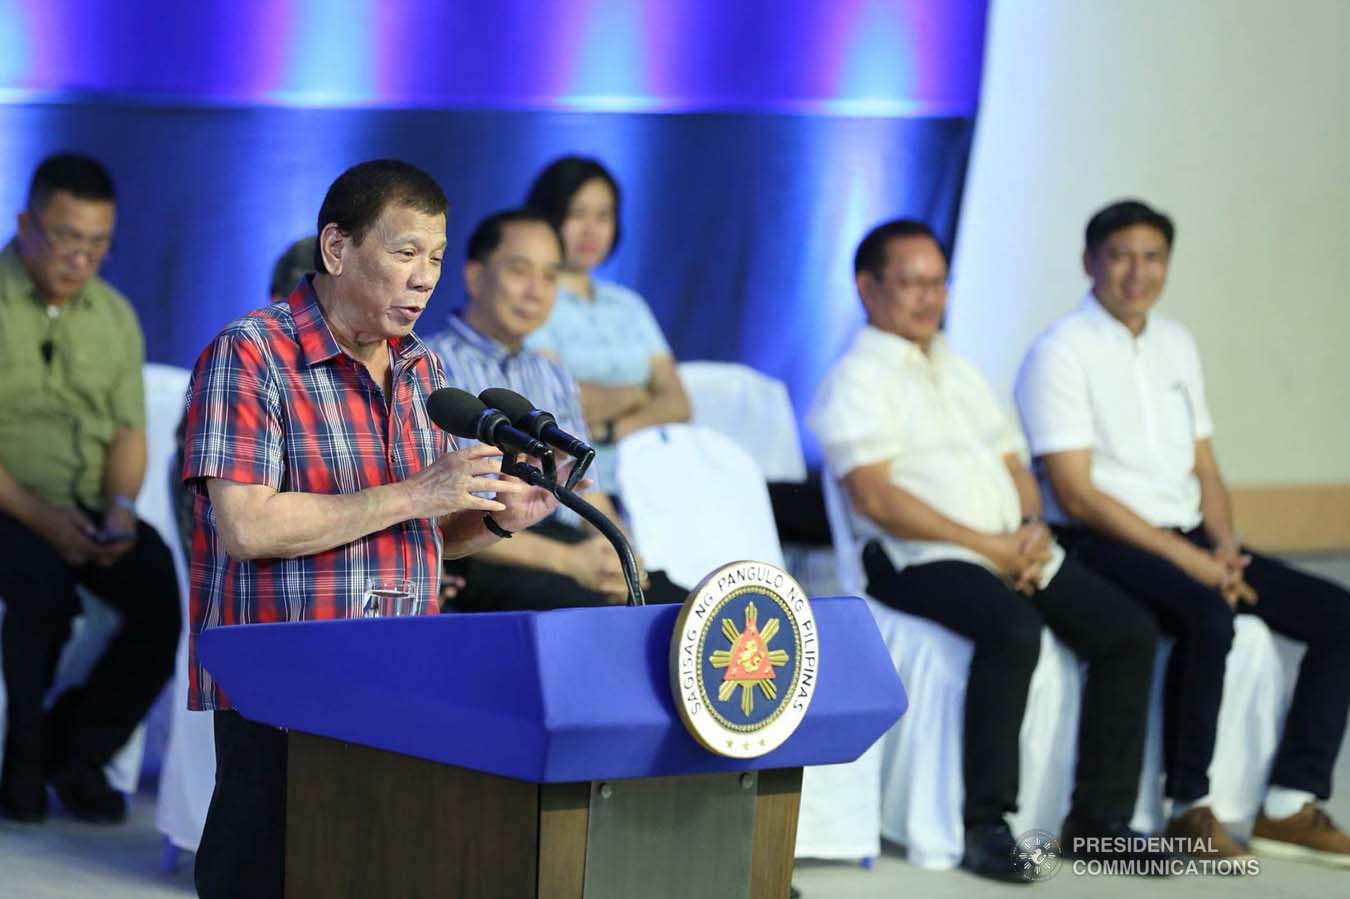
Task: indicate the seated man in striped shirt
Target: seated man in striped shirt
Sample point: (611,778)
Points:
(511,279)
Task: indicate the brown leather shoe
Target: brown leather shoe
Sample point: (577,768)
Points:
(1206,837)
(1309,836)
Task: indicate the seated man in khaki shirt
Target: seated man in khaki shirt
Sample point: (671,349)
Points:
(72,457)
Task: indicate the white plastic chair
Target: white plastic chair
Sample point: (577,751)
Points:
(695,501)
(188,774)
(752,409)
(893,789)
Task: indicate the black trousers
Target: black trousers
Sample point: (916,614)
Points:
(1298,605)
(1115,635)
(243,847)
(87,724)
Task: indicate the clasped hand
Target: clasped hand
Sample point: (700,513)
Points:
(1020,555)
(72,534)
(1232,583)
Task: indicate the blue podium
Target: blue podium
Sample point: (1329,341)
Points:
(534,754)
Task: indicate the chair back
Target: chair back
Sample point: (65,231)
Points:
(752,409)
(695,500)
(847,548)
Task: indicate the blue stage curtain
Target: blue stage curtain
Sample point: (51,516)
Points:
(739,228)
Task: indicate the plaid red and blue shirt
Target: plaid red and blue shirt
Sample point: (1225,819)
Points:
(274,400)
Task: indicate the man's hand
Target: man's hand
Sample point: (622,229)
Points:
(1223,574)
(451,584)
(1232,556)
(121,522)
(1019,556)
(1035,541)
(526,506)
(68,531)
(450,484)
(594,564)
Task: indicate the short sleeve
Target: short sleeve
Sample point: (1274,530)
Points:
(234,429)
(127,396)
(1053,399)
(844,419)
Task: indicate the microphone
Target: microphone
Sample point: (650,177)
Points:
(535,422)
(543,426)
(465,415)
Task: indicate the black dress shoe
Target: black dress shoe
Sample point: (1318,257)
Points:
(1096,841)
(22,801)
(85,794)
(991,852)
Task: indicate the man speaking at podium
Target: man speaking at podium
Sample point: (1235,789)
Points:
(320,480)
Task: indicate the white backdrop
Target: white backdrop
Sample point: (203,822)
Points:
(1231,115)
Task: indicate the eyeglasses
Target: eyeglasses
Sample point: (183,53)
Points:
(921,285)
(67,240)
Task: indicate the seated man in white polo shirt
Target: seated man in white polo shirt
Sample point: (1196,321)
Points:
(1113,402)
(931,469)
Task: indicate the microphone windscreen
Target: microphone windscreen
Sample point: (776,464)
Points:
(513,404)
(456,411)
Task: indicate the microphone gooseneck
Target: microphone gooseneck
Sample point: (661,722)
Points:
(465,415)
(531,475)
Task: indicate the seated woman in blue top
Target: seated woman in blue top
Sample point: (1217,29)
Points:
(601,332)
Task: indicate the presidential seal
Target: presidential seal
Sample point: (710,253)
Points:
(744,659)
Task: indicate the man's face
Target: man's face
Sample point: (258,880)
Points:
(512,293)
(588,228)
(909,296)
(1128,271)
(63,245)
(387,279)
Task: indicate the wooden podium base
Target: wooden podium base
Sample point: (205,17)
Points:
(367,824)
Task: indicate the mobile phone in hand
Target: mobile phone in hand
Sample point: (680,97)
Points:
(103,537)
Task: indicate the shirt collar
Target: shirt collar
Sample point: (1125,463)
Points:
(1093,310)
(317,342)
(15,279)
(601,295)
(488,346)
(872,339)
